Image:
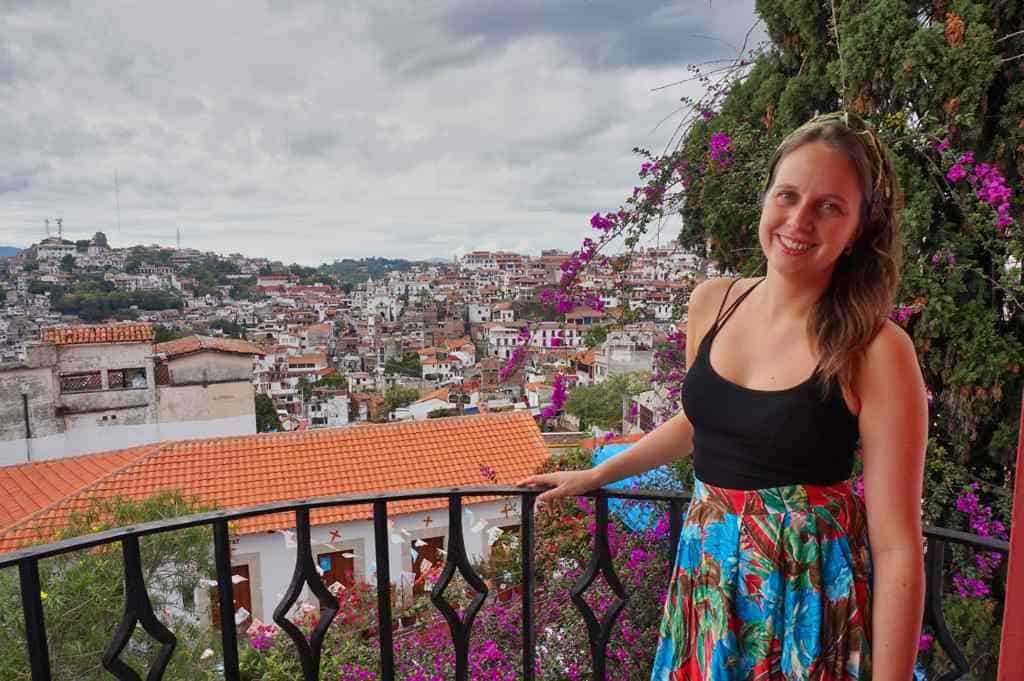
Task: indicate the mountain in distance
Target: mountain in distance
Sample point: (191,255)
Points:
(7,251)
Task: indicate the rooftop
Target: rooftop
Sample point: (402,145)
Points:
(101,333)
(232,472)
(196,343)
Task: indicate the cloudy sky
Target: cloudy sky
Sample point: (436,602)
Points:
(308,131)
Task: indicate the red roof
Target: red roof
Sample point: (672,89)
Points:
(102,333)
(245,470)
(29,487)
(190,344)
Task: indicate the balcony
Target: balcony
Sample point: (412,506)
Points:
(139,611)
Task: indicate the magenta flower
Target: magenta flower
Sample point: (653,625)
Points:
(956,173)
(942,146)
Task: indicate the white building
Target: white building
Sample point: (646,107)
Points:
(273,467)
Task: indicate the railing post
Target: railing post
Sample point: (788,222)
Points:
(226,599)
(380,541)
(35,625)
(1011,652)
(529,583)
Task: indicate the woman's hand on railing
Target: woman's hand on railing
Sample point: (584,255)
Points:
(563,483)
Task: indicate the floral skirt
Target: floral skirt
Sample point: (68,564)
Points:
(769,585)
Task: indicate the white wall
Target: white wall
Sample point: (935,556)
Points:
(88,440)
(271,562)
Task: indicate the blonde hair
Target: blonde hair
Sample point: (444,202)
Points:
(860,295)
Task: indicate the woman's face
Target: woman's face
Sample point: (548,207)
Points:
(811,212)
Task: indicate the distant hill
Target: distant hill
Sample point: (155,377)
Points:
(6,251)
(349,271)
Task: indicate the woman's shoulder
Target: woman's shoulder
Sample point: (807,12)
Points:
(711,293)
(889,356)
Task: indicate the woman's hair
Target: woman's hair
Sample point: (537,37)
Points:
(860,295)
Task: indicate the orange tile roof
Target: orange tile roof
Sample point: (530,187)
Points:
(254,469)
(103,333)
(439,394)
(196,343)
(30,487)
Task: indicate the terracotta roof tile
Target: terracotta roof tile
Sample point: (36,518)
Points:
(101,333)
(252,469)
(30,487)
(196,343)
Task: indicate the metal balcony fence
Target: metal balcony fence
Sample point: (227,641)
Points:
(139,611)
(82,382)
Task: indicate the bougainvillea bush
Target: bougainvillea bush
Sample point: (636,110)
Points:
(941,81)
(424,651)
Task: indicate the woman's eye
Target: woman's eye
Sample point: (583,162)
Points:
(831,207)
(785,195)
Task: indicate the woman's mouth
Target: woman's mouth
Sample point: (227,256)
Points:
(793,246)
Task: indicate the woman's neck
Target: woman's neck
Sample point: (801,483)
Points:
(783,301)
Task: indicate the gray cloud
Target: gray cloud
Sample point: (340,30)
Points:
(322,130)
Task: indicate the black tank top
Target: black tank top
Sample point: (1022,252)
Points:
(753,439)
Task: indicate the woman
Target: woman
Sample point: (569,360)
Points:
(775,576)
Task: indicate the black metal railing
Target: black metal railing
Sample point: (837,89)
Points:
(139,610)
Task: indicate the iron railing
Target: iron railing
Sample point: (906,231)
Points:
(139,611)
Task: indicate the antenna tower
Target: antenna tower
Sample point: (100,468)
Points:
(179,238)
(47,228)
(60,228)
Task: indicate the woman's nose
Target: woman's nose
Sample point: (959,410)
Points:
(803,217)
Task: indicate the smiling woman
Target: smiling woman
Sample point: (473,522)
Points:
(782,570)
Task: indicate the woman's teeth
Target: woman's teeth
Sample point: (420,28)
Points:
(794,245)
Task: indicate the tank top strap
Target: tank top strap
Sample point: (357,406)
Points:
(722,319)
(725,298)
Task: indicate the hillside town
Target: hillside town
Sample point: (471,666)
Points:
(315,347)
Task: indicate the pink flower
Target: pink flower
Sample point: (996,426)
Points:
(956,173)
(942,146)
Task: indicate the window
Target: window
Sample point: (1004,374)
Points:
(242,593)
(126,379)
(81,382)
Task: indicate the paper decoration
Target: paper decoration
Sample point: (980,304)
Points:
(349,554)
(493,534)
(479,527)
(418,543)
(241,615)
(208,583)
(319,570)
(238,579)
(335,587)
(426,565)
(289,538)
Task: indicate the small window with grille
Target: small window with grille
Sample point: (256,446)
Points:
(126,379)
(81,382)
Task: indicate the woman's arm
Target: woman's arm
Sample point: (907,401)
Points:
(894,434)
(669,441)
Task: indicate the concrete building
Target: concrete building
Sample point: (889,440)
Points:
(85,389)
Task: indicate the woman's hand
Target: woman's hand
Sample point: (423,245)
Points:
(564,483)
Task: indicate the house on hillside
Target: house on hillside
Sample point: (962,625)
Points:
(248,470)
(85,389)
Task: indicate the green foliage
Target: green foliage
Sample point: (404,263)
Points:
(162,334)
(595,336)
(974,623)
(600,404)
(349,271)
(395,398)
(333,381)
(409,365)
(230,328)
(442,412)
(267,420)
(83,594)
(97,306)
